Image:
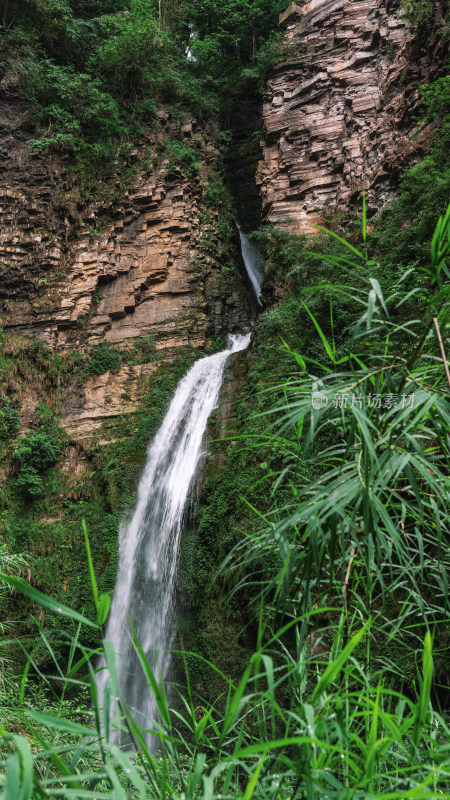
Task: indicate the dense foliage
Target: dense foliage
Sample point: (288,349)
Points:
(349,566)
(96,73)
(313,577)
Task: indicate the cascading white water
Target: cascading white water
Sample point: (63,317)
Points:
(148,543)
(253,260)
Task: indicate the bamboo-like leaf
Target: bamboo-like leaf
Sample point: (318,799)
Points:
(251,785)
(341,240)
(103,605)
(43,600)
(424,699)
(333,669)
(21,770)
(372,743)
(12,776)
(157,689)
(370,309)
(323,338)
(90,563)
(377,289)
(60,723)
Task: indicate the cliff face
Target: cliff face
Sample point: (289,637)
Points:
(149,255)
(337,113)
(148,259)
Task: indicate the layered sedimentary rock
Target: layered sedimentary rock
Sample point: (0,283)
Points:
(338,110)
(142,260)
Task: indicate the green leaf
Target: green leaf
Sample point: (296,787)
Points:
(157,689)
(323,338)
(60,723)
(26,771)
(251,785)
(12,777)
(335,667)
(103,605)
(43,600)
(90,563)
(423,704)
(342,241)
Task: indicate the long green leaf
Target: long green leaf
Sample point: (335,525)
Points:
(43,600)
(335,667)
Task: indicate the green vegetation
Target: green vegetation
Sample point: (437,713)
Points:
(36,452)
(340,734)
(418,12)
(143,351)
(182,156)
(342,576)
(9,420)
(102,358)
(313,597)
(96,73)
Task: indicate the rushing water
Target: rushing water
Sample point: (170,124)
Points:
(253,261)
(148,543)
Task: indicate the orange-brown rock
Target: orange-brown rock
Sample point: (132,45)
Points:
(143,262)
(338,113)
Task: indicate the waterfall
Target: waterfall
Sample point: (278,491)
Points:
(149,541)
(253,260)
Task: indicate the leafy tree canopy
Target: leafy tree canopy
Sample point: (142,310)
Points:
(94,71)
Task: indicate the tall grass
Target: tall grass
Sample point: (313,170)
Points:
(369,531)
(337,733)
(353,605)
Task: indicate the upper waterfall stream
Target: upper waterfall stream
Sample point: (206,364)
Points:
(253,260)
(149,541)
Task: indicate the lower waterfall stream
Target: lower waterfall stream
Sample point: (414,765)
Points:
(149,541)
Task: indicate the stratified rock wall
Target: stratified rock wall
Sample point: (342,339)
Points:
(142,260)
(338,113)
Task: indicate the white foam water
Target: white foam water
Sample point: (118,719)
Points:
(253,260)
(149,541)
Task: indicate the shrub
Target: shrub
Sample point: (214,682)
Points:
(182,157)
(435,99)
(134,49)
(74,111)
(38,449)
(215,191)
(39,350)
(417,12)
(9,419)
(143,351)
(36,452)
(102,358)
(29,482)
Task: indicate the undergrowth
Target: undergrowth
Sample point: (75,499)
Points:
(346,566)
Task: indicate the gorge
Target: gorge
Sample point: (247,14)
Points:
(190,248)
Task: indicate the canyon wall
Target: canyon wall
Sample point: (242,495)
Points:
(150,257)
(338,109)
(147,254)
